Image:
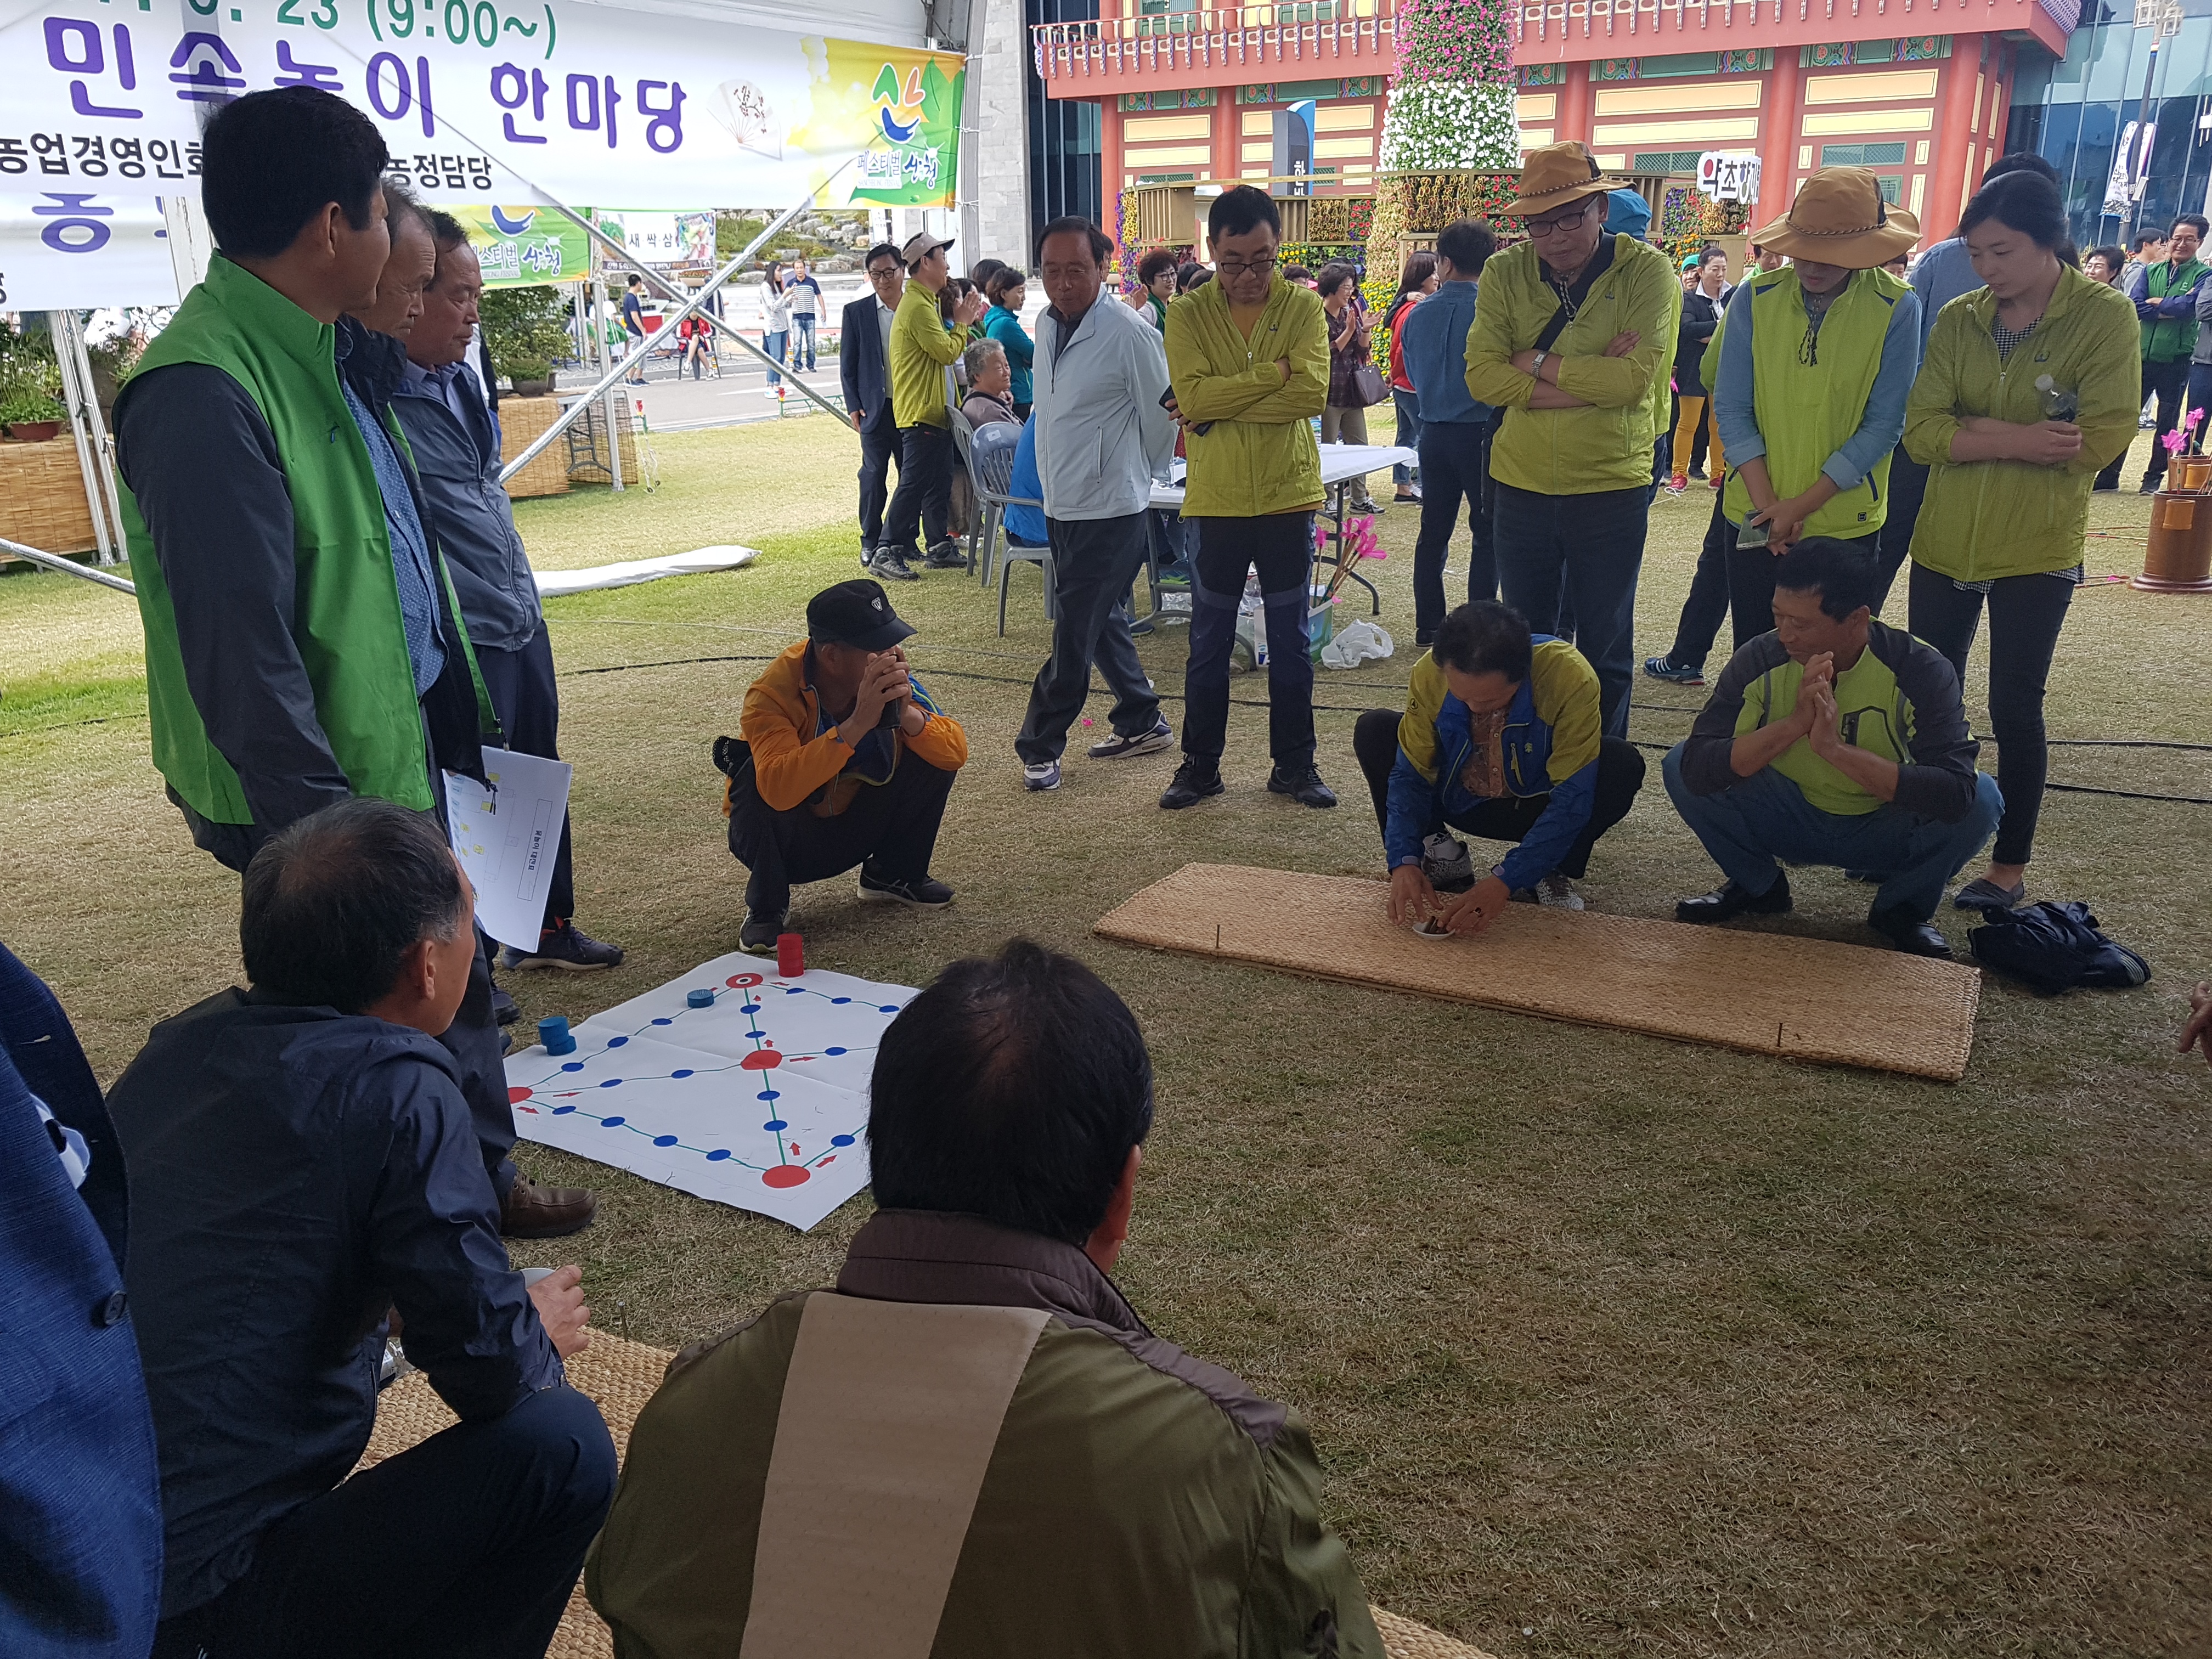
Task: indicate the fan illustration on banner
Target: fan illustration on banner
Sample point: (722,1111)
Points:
(743,108)
(733,1082)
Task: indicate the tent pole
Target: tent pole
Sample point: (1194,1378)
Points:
(85,427)
(68,567)
(610,404)
(568,417)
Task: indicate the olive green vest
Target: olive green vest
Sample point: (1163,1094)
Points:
(1871,713)
(346,604)
(1808,410)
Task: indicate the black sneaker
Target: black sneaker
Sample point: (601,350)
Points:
(566,947)
(922,892)
(1118,747)
(1302,784)
(1729,900)
(1674,673)
(1194,780)
(758,936)
(944,557)
(890,566)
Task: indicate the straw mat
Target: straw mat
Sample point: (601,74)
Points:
(621,1377)
(1770,993)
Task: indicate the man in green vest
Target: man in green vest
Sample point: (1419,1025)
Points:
(1834,739)
(1816,360)
(2165,299)
(302,644)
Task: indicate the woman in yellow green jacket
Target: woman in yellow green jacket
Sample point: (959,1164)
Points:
(2030,385)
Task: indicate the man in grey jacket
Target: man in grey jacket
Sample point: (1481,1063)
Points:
(441,408)
(1103,436)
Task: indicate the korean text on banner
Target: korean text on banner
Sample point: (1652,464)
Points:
(506,837)
(486,101)
(74,251)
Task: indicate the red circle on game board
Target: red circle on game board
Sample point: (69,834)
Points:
(740,982)
(516,1097)
(785,1175)
(761,1060)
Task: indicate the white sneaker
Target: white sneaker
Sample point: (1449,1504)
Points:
(1558,893)
(1041,774)
(1445,861)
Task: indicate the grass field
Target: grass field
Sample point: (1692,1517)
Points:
(1611,1346)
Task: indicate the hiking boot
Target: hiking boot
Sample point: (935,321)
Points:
(1194,780)
(944,557)
(1729,900)
(1302,784)
(1666,668)
(1118,747)
(534,1212)
(1447,863)
(890,565)
(921,892)
(758,936)
(1041,775)
(563,945)
(1915,935)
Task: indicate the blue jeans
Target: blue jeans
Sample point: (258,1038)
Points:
(802,323)
(1588,550)
(1408,406)
(1763,821)
(773,344)
(1455,466)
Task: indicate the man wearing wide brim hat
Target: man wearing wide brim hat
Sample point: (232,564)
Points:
(921,348)
(1572,339)
(1816,361)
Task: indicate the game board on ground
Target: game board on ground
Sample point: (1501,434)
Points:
(732,1082)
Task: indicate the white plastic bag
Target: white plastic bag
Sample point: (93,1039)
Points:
(1357,642)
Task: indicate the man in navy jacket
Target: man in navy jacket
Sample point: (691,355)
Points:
(80,1500)
(864,367)
(302,1164)
(1455,463)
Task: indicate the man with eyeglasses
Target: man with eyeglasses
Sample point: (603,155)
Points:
(1572,339)
(1249,357)
(863,352)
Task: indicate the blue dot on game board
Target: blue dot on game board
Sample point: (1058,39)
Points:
(833,1051)
(611,1123)
(776,1126)
(840,1140)
(664,1140)
(841,1000)
(617,1043)
(767,1093)
(718,1155)
(664,1021)
(686,1072)
(749,1007)
(794,990)
(887,1008)
(573,1065)
(610,1083)
(757,1036)
(562,1111)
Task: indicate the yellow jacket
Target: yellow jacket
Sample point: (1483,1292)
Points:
(1260,456)
(1607,445)
(922,349)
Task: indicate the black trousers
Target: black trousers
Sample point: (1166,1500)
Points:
(1454,467)
(468,1543)
(1751,584)
(528,704)
(1620,776)
(879,449)
(1908,487)
(923,503)
(2025,614)
(1707,607)
(891,827)
(1279,547)
(2167,382)
(1094,563)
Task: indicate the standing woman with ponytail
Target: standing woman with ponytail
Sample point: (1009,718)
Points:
(2030,385)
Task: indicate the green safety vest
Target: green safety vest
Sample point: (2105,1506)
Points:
(2169,339)
(1871,713)
(346,605)
(1807,411)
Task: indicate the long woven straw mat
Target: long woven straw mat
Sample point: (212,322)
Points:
(1771,993)
(621,1377)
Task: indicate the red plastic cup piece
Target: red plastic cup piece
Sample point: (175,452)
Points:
(790,955)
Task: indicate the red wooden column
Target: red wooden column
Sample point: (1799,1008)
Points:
(1957,158)
(1777,138)
(1574,104)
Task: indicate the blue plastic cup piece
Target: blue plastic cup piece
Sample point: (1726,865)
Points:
(553,1032)
(701,999)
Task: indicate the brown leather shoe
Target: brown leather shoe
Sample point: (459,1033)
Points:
(536,1211)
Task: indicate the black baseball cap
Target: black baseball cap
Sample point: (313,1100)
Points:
(856,613)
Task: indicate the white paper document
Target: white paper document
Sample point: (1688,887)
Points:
(507,837)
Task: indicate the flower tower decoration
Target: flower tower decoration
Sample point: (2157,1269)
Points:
(1451,103)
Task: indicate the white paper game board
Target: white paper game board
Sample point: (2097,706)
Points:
(758,1099)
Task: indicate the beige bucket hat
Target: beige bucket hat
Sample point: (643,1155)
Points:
(1840,219)
(1555,176)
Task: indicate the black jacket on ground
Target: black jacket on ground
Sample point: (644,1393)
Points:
(861,367)
(294,1173)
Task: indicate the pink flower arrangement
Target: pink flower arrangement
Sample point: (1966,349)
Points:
(1454,40)
(2179,438)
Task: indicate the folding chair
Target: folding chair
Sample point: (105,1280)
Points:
(990,469)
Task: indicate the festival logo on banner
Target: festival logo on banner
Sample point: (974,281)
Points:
(519,246)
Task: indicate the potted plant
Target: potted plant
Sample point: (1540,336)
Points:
(30,416)
(532,376)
